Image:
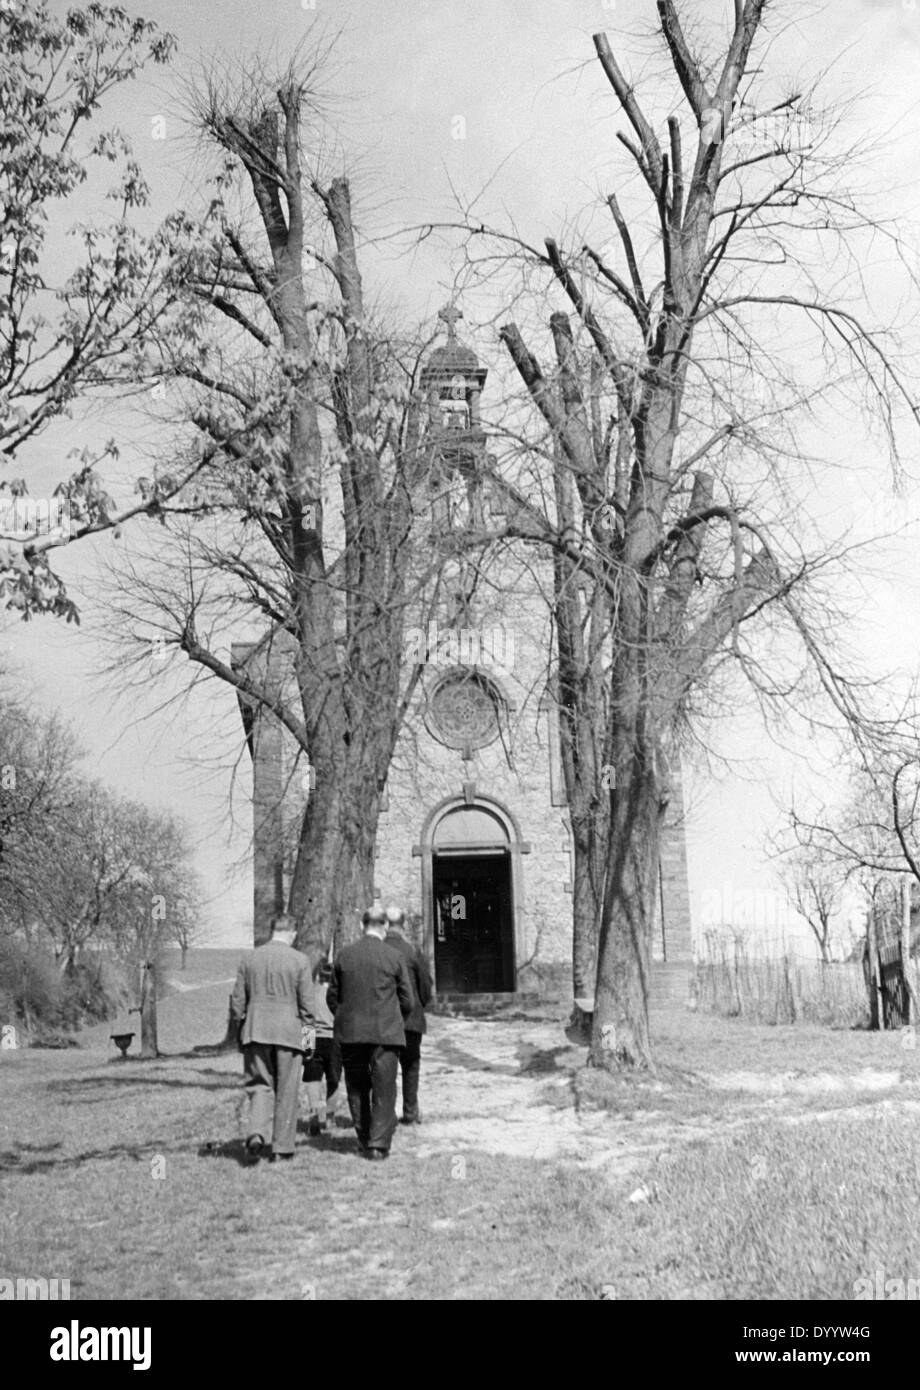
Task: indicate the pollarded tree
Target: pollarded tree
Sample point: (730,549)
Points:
(308,514)
(681,368)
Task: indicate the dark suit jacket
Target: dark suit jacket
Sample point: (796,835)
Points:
(370,994)
(420,976)
(273,995)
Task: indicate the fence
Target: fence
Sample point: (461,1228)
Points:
(781,988)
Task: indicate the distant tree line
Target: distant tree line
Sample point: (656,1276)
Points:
(93,886)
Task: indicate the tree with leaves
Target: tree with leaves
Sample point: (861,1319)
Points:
(38,756)
(65,336)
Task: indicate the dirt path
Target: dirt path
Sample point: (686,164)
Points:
(181,987)
(500,1088)
(507,1087)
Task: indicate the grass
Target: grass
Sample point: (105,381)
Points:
(777,1213)
(705,1043)
(127,1177)
(112,1190)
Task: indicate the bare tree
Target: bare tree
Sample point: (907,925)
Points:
(873,840)
(184,932)
(669,421)
(312,513)
(816,886)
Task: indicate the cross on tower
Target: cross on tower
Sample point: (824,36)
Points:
(450,314)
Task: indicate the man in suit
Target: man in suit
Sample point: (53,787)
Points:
(273,1000)
(369,996)
(410,1058)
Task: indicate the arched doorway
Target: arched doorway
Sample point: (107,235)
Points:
(472,895)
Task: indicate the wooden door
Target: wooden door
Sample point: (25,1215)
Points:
(473,936)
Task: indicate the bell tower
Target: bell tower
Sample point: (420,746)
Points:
(452,382)
(455,445)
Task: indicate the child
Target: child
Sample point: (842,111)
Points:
(323,1070)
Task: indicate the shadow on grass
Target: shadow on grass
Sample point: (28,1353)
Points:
(12,1158)
(13,1162)
(94,1088)
(339,1142)
(194,1054)
(531,1060)
(448,1051)
(545,1061)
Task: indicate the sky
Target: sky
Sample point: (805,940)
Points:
(499,103)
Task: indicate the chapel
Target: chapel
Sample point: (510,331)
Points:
(474,839)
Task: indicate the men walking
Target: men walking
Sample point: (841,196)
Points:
(273,999)
(410,1057)
(369,996)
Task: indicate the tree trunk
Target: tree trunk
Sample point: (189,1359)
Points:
(333,879)
(909,1003)
(620,1036)
(587,906)
(588,849)
(874,972)
(148,1011)
(791,995)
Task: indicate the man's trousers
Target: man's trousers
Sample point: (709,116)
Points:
(410,1062)
(273,1087)
(370,1081)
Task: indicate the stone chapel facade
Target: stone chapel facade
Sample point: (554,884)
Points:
(474,839)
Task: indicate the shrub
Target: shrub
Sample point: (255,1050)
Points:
(95,990)
(54,1041)
(30,984)
(35,995)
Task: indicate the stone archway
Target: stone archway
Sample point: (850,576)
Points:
(472,895)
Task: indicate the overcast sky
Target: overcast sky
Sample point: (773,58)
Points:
(500,98)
